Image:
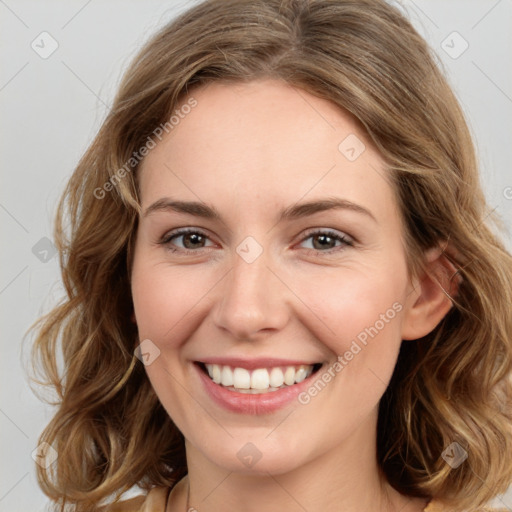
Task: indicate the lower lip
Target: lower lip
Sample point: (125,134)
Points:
(245,403)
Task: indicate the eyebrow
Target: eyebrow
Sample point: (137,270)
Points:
(294,211)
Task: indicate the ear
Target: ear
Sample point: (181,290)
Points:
(430,301)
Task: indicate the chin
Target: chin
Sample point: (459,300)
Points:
(258,457)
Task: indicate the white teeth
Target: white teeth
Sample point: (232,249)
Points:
(289,375)
(241,378)
(301,374)
(216,377)
(261,380)
(226,376)
(276,377)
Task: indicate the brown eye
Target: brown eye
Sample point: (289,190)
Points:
(193,240)
(185,240)
(326,241)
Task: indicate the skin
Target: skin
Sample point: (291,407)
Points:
(251,150)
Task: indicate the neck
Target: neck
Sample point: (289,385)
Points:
(345,477)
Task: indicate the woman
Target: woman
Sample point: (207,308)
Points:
(284,291)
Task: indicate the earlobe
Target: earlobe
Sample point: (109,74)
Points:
(432,298)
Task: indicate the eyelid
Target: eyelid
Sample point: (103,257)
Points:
(184,231)
(327,231)
(345,239)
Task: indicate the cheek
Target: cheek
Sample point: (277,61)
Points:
(361,317)
(164,297)
(354,305)
(361,323)
(166,304)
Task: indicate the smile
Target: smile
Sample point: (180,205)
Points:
(259,380)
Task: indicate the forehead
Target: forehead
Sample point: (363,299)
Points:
(263,140)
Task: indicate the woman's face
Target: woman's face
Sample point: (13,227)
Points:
(293,258)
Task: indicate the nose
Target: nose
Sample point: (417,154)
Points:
(253,300)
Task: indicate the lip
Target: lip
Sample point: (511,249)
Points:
(254,364)
(245,403)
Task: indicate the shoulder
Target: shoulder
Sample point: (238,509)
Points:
(437,506)
(154,501)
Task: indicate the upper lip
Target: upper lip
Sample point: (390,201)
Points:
(255,363)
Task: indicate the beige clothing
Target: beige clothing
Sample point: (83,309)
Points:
(156,501)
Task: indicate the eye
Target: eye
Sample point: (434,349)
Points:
(326,241)
(190,239)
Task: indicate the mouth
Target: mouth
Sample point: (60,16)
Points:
(258,380)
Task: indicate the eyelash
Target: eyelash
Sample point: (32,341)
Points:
(346,241)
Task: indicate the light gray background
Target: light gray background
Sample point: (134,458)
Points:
(51,108)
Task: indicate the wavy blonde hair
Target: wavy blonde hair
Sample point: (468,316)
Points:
(109,430)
